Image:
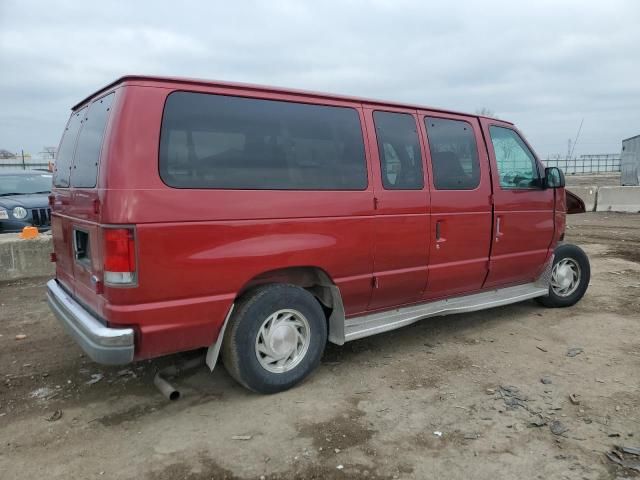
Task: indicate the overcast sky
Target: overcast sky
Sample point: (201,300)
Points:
(544,66)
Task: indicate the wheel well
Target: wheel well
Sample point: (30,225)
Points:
(309,278)
(318,283)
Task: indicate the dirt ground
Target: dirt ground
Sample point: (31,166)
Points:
(455,397)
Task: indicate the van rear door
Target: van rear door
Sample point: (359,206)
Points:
(76,211)
(61,200)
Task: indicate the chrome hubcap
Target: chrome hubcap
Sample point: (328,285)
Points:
(282,341)
(565,277)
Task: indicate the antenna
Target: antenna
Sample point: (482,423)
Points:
(577,136)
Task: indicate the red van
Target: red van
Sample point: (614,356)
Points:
(261,223)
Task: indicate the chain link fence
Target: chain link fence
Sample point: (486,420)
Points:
(587,164)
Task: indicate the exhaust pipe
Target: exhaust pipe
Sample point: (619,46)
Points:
(167,389)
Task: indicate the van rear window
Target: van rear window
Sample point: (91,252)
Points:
(64,158)
(84,173)
(223,142)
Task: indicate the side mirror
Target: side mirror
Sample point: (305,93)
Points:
(553,177)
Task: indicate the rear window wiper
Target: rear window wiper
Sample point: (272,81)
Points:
(44,191)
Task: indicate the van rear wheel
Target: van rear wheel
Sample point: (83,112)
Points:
(570,277)
(275,338)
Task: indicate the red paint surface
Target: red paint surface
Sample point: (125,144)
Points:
(196,249)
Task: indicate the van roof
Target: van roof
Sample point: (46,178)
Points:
(263,88)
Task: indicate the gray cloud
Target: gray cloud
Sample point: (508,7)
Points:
(544,66)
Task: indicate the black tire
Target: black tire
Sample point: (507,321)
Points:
(553,300)
(239,343)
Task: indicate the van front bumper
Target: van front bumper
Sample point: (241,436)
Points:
(109,346)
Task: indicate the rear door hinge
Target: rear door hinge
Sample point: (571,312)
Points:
(374,282)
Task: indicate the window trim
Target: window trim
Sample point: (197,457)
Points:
(539,185)
(358,111)
(475,140)
(419,143)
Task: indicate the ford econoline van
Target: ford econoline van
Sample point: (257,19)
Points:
(261,223)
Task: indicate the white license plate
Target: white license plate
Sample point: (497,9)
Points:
(4,215)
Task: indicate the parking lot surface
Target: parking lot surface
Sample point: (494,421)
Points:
(514,392)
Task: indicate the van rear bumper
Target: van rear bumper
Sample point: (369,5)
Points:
(109,346)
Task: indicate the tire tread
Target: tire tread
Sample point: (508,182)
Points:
(232,357)
(573,251)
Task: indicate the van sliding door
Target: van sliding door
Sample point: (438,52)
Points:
(401,223)
(460,226)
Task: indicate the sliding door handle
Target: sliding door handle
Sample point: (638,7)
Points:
(439,238)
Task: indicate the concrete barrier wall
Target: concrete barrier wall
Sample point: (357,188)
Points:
(25,258)
(618,199)
(587,194)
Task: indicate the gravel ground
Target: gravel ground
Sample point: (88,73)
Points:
(483,395)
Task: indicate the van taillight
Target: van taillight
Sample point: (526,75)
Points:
(119,256)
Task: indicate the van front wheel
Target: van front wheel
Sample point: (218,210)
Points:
(570,277)
(275,338)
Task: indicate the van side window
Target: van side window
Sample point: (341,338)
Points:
(222,142)
(399,150)
(454,154)
(64,158)
(517,167)
(84,173)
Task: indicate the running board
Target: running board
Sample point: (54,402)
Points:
(366,325)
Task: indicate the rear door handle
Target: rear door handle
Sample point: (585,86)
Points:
(498,229)
(438,231)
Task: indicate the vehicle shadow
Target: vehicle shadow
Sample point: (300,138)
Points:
(131,394)
(441,329)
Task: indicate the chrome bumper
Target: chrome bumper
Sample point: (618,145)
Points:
(110,346)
